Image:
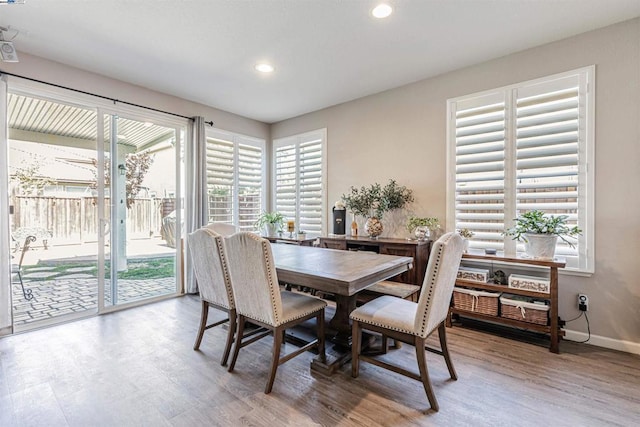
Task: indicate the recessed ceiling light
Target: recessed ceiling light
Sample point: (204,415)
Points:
(263,67)
(382,11)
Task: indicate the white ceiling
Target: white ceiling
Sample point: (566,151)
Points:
(325,51)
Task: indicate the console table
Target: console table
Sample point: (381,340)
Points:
(307,241)
(552,328)
(416,249)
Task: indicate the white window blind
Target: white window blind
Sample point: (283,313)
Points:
(522,148)
(299,175)
(235,178)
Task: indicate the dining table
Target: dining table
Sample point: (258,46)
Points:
(337,272)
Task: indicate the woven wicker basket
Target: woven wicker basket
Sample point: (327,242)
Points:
(524,311)
(476,301)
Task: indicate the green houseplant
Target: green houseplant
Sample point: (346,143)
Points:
(422,227)
(373,201)
(540,232)
(270,222)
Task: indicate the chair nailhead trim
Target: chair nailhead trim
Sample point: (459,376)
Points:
(272,288)
(225,270)
(432,280)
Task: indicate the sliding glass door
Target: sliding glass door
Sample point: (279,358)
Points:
(140,209)
(94,207)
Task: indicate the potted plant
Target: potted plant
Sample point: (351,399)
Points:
(466,234)
(373,201)
(302,234)
(270,223)
(540,232)
(421,228)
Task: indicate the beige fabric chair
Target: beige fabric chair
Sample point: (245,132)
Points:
(259,299)
(222,228)
(210,266)
(412,322)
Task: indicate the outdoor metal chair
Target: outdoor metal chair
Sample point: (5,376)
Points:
(16,269)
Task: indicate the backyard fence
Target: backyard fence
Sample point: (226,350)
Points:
(75,219)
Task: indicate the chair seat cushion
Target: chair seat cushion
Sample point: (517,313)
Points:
(295,306)
(388,312)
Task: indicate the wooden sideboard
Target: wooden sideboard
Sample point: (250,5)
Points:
(417,249)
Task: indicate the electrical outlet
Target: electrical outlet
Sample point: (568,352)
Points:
(583,302)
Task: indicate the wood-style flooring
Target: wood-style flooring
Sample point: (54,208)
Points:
(137,367)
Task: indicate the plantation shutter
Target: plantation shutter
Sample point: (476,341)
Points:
(220,178)
(547,151)
(250,185)
(299,178)
(480,128)
(522,148)
(235,179)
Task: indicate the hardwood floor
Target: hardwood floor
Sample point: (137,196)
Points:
(137,367)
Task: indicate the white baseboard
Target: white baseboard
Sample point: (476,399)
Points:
(600,341)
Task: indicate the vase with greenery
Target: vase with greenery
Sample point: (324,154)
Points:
(422,228)
(373,201)
(540,232)
(270,223)
(466,234)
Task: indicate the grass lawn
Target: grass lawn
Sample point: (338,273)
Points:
(153,268)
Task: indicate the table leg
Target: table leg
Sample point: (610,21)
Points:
(340,321)
(340,352)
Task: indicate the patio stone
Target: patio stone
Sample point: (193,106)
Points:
(38,274)
(59,297)
(40,269)
(79,269)
(78,276)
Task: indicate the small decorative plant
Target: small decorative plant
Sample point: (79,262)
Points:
(536,222)
(375,200)
(466,233)
(273,219)
(430,223)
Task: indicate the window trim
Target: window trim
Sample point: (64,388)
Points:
(298,139)
(587,167)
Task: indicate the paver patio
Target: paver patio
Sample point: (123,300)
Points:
(76,289)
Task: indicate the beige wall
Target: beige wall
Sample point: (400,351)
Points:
(401,134)
(60,74)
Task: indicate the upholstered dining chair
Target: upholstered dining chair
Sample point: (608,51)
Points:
(222,228)
(210,267)
(412,322)
(259,300)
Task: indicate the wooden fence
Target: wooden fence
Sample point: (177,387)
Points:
(75,219)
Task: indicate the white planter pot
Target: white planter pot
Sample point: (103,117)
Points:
(271,230)
(540,246)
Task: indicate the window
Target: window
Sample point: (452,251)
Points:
(519,148)
(235,178)
(299,177)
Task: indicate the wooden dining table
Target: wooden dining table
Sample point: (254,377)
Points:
(341,273)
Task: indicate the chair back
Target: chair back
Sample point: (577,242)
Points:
(437,288)
(254,278)
(210,266)
(222,228)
